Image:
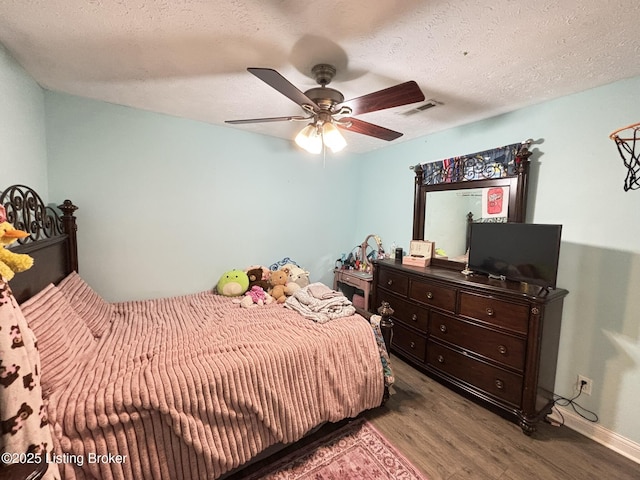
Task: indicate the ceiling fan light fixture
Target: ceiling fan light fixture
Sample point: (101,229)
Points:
(326,108)
(309,139)
(332,137)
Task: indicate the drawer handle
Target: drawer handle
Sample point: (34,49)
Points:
(499,384)
(440,359)
(490,311)
(390,282)
(443,328)
(429,295)
(502,349)
(413,345)
(414,317)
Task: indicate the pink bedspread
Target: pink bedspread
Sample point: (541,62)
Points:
(195,386)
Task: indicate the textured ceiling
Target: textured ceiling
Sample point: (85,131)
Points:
(188,58)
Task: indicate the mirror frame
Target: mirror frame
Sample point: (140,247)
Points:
(518,184)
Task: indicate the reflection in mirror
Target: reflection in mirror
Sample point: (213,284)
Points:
(449,212)
(490,185)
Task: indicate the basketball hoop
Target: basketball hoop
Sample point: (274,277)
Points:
(626,140)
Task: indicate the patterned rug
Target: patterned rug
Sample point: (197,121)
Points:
(355,451)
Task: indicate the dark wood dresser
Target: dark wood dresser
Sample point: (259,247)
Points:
(494,341)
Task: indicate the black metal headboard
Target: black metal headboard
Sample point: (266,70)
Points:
(52,240)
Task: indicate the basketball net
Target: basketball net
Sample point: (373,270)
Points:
(627,148)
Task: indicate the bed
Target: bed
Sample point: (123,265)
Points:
(190,387)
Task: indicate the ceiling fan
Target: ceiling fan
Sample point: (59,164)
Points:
(326,109)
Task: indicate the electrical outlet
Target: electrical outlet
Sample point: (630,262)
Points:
(588,384)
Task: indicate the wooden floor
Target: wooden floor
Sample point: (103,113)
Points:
(449,437)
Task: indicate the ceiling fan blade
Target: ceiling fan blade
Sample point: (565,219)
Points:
(366,128)
(402,94)
(264,120)
(284,86)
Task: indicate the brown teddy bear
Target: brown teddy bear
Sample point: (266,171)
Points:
(255,278)
(278,282)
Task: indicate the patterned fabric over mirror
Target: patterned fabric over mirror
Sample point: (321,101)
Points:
(494,163)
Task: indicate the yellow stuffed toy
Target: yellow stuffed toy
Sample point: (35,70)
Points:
(10,262)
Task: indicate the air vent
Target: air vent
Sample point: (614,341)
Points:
(421,108)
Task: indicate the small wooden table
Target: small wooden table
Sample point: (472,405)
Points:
(354,278)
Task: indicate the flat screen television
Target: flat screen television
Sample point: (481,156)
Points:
(525,252)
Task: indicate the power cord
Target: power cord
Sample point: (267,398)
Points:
(565,402)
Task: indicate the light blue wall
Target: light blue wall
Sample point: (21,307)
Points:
(577,177)
(23,149)
(167,205)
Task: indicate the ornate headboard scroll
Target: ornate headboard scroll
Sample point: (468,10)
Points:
(52,240)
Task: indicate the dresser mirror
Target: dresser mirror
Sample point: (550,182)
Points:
(449,213)
(445,206)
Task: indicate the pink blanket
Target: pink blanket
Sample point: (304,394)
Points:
(192,387)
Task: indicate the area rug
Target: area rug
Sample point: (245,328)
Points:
(355,451)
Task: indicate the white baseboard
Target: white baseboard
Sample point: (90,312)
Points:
(598,433)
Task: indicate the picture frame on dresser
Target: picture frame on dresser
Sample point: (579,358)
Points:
(494,341)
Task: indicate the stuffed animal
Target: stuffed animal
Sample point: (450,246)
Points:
(278,283)
(266,273)
(255,297)
(297,274)
(233,283)
(255,279)
(10,262)
(290,288)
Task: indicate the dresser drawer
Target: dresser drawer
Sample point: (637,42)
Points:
(511,316)
(409,342)
(354,280)
(396,282)
(433,295)
(504,385)
(500,347)
(407,312)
